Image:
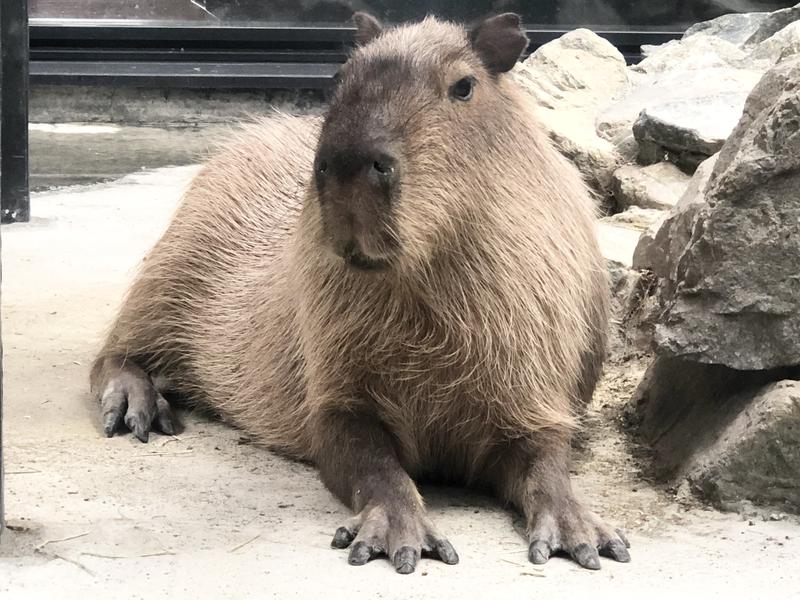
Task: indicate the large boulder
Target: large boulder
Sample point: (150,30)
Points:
(758,455)
(707,80)
(569,80)
(674,86)
(733,435)
(664,237)
(732,295)
(681,115)
(685,130)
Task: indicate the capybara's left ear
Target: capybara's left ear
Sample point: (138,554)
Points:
(499,41)
(367,28)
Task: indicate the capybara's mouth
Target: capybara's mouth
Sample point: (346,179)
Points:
(364,263)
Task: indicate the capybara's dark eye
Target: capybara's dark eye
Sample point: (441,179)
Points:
(462,89)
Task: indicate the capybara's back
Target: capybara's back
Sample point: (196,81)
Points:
(410,288)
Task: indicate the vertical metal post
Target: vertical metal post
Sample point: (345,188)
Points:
(2,469)
(14,196)
(13,146)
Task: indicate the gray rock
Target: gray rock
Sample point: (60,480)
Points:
(735,28)
(704,79)
(758,455)
(732,434)
(773,23)
(569,80)
(732,296)
(657,186)
(649,254)
(578,70)
(687,129)
(596,158)
(695,53)
(783,43)
(617,242)
(670,237)
(711,87)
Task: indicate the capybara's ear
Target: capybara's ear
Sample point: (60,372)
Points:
(367,28)
(499,41)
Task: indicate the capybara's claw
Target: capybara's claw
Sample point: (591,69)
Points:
(404,538)
(578,533)
(127,395)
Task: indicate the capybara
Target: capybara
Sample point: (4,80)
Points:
(410,288)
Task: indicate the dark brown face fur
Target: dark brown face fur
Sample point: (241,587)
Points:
(411,113)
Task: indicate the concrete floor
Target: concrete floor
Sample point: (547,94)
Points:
(206,514)
(78,153)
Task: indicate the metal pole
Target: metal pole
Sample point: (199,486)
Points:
(2,470)
(14,196)
(13,143)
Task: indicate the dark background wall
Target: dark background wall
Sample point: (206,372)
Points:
(596,13)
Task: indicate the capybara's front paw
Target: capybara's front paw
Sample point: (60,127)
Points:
(573,529)
(401,534)
(129,396)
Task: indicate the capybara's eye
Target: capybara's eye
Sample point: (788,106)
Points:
(462,89)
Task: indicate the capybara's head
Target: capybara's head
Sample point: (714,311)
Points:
(420,119)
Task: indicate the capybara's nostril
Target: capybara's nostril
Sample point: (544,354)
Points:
(348,249)
(383,172)
(383,169)
(321,170)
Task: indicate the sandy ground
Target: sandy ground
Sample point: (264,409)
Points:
(206,514)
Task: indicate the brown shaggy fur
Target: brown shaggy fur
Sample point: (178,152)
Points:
(487,332)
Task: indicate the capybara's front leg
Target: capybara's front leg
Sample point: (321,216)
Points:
(358,463)
(536,480)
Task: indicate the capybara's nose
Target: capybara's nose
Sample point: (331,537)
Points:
(347,164)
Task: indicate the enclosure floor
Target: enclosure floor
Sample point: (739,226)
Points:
(205,514)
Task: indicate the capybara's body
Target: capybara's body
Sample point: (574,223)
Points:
(217,296)
(443,315)
(235,305)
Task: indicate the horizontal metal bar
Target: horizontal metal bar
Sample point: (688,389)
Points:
(219,55)
(79,30)
(188,75)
